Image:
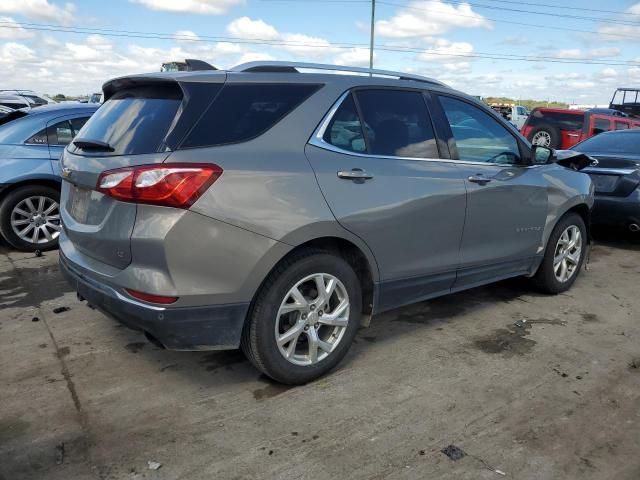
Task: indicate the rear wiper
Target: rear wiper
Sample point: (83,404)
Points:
(88,144)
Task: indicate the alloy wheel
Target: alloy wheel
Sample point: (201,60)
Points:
(566,258)
(312,319)
(542,139)
(36,219)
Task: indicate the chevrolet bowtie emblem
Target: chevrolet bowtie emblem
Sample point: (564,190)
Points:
(66,172)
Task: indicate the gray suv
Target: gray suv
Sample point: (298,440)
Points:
(276,207)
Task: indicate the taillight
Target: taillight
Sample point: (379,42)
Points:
(176,185)
(148,297)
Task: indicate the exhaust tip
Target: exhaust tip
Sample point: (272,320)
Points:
(634,227)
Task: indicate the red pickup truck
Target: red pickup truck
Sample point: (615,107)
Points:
(561,128)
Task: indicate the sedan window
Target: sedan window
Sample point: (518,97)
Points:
(60,133)
(39,138)
(479,137)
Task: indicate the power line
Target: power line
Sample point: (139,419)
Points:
(531,12)
(510,2)
(337,45)
(548,5)
(498,20)
(496,7)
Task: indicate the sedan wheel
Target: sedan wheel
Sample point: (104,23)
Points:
(312,319)
(36,220)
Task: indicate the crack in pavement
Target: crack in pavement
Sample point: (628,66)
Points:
(64,369)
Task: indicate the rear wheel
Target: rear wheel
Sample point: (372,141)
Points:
(304,318)
(564,255)
(30,218)
(545,136)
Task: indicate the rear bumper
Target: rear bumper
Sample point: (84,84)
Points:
(618,211)
(215,327)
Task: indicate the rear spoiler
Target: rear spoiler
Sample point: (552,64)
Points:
(156,79)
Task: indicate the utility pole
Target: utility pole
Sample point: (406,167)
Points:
(373,18)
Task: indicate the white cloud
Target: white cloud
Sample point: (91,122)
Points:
(40,9)
(355,57)
(634,9)
(16,52)
(200,7)
(312,46)
(11,30)
(298,44)
(578,54)
(186,36)
(425,19)
(254,57)
(515,40)
(572,53)
(447,52)
(608,73)
(603,52)
(246,28)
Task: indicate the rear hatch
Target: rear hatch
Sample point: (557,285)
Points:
(139,124)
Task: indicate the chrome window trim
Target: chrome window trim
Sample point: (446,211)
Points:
(317,140)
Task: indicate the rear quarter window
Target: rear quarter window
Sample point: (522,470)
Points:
(135,121)
(242,112)
(561,120)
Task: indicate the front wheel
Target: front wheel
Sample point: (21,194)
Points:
(304,318)
(563,256)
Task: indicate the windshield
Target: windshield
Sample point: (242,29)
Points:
(628,143)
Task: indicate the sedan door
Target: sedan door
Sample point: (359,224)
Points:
(506,198)
(60,132)
(378,165)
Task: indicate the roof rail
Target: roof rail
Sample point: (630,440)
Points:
(279,67)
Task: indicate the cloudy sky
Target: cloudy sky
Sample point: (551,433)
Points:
(578,52)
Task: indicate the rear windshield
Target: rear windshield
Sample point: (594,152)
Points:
(134,121)
(628,143)
(244,111)
(561,120)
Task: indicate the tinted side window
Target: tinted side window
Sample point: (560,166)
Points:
(601,125)
(478,136)
(345,129)
(564,121)
(39,138)
(77,124)
(60,133)
(397,123)
(242,112)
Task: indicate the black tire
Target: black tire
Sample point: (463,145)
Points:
(10,201)
(553,132)
(258,338)
(545,279)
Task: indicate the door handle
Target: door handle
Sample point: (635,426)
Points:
(354,174)
(479,179)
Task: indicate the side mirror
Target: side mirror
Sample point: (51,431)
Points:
(541,155)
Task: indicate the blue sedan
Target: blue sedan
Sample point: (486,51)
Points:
(31,143)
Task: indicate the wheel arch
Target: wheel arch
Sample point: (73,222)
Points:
(52,182)
(361,260)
